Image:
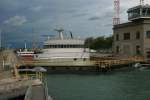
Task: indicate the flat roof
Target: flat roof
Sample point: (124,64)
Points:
(132,23)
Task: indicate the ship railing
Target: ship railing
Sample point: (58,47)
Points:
(54,38)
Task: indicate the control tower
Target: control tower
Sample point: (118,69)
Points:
(132,38)
(139,12)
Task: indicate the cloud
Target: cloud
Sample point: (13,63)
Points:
(94,18)
(16,21)
(37,8)
(84,17)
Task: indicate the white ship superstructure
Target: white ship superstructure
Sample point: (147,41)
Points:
(64,48)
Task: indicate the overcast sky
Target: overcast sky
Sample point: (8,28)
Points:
(19,19)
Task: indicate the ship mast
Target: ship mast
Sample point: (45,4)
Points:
(60,31)
(33,41)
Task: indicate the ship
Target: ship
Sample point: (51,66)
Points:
(63,48)
(25,54)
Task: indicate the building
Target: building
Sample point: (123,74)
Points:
(133,37)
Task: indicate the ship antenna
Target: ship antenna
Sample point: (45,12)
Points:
(25,45)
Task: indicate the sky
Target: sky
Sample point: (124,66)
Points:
(21,20)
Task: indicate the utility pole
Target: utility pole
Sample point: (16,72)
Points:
(33,41)
(0,39)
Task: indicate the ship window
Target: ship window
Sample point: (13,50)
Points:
(148,12)
(46,46)
(52,46)
(126,36)
(61,46)
(71,46)
(75,46)
(67,46)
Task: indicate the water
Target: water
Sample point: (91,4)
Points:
(117,85)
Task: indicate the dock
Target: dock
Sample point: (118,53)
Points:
(94,64)
(13,86)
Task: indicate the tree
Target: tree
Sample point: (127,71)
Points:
(99,42)
(88,42)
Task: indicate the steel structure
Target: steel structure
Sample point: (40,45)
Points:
(116,17)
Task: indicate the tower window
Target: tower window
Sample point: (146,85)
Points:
(148,34)
(138,50)
(117,49)
(126,36)
(117,37)
(138,35)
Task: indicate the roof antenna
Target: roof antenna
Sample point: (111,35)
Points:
(142,2)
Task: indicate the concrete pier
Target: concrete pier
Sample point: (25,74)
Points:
(12,86)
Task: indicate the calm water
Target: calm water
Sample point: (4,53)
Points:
(117,85)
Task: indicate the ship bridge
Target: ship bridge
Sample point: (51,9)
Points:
(139,12)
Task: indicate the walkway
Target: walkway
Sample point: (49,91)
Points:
(38,93)
(11,88)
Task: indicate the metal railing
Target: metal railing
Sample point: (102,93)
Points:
(28,94)
(45,89)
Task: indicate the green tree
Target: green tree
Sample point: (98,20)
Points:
(99,42)
(89,42)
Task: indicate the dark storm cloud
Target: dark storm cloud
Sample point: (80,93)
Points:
(94,18)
